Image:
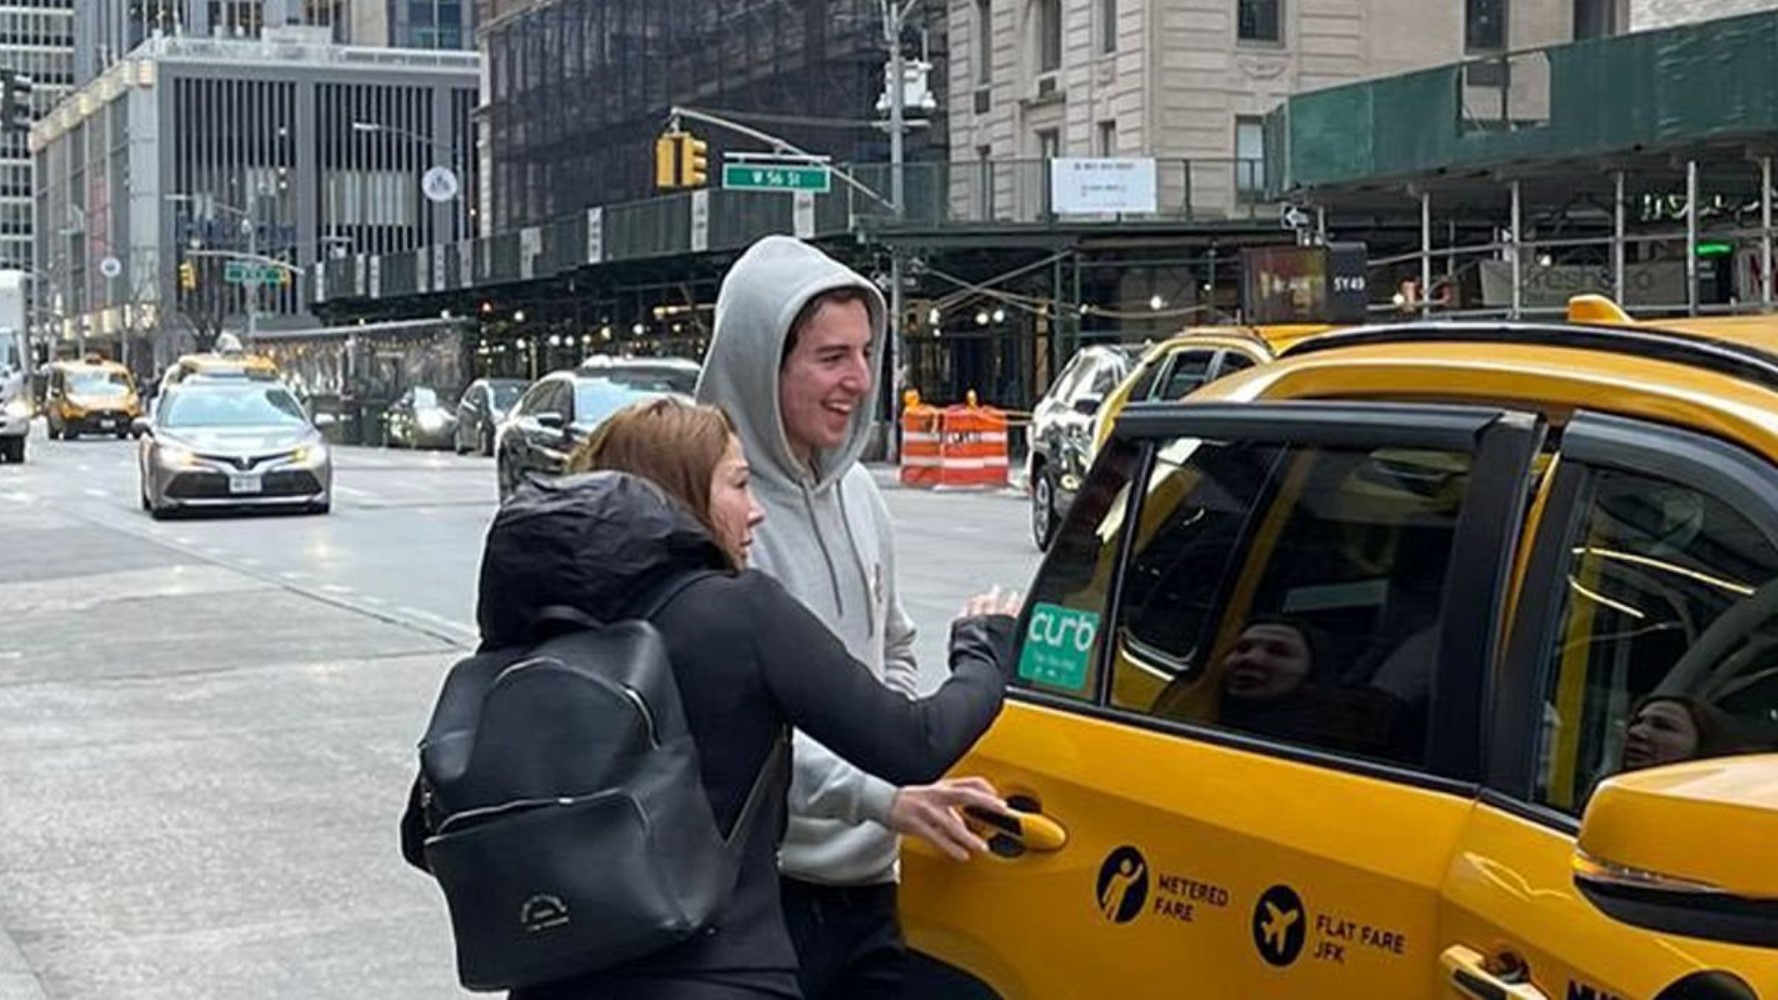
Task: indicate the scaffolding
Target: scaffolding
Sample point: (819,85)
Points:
(1638,167)
(581,88)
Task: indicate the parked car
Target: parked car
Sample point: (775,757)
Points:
(90,396)
(556,415)
(232,443)
(1389,669)
(484,404)
(420,419)
(1061,436)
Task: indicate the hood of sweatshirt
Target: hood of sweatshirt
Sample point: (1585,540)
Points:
(594,542)
(759,299)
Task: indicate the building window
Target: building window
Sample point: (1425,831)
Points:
(1259,21)
(1049,144)
(1595,18)
(1107,25)
(1049,35)
(1108,138)
(984,42)
(1250,157)
(1484,25)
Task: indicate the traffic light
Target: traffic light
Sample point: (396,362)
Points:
(666,160)
(188,275)
(693,161)
(681,160)
(15,101)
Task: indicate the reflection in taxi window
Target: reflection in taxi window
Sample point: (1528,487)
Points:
(1292,593)
(1667,647)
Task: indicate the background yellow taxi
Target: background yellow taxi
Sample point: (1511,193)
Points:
(1424,661)
(90,396)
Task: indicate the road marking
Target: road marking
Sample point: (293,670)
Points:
(18,497)
(290,575)
(334,588)
(93,492)
(349,491)
(249,561)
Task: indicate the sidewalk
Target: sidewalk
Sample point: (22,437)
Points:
(888,477)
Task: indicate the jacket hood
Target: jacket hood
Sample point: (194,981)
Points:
(598,543)
(760,297)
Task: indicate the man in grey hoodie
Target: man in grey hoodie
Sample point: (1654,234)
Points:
(793,361)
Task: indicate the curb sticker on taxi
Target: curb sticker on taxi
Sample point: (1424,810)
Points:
(1058,646)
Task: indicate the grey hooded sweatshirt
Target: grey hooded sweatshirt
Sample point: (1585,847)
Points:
(826,537)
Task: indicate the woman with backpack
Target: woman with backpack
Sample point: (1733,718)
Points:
(660,493)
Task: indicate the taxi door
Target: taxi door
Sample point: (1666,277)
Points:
(1202,821)
(1651,535)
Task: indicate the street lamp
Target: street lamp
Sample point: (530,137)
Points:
(458,171)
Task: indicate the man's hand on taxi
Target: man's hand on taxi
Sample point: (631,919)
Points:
(934,813)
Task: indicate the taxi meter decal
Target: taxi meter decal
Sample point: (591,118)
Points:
(1123,885)
(1058,646)
(1127,883)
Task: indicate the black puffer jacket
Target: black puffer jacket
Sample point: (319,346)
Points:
(749,659)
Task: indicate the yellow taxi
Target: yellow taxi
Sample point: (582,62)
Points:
(219,365)
(1177,366)
(90,396)
(1425,661)
(1066,434)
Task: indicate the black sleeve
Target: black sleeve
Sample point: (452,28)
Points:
(826,693)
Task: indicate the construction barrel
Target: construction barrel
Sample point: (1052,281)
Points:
(919,442)
(972,447)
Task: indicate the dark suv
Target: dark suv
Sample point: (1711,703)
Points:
(558,413)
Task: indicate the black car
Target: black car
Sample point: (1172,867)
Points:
(558,413)
(420,419)
(484,404)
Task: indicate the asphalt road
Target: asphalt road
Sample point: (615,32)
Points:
(207,726)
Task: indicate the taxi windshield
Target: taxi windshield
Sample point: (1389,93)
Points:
(98,382)
(236,408)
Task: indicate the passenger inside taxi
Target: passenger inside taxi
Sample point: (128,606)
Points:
(1665,729)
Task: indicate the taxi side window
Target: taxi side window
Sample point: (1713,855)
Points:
(1063,636)
(1292,593)
(1191,369)
(1667,644)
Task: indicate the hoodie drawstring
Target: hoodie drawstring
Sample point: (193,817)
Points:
(833,573)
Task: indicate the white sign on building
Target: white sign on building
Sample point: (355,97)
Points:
(1102,185)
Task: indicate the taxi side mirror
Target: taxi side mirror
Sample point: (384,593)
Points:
(1685,849)
(1088,406)
(325,420)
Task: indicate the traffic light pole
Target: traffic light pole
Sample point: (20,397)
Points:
(779,146)
(893,17)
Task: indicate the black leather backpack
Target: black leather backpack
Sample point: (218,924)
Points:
(567,818)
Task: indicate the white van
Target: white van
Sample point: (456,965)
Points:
(15,395)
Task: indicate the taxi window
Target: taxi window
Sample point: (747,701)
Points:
(1292,593)
(1062,639)
(1635,676)
(1191,369)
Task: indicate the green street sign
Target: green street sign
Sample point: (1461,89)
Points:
(246,272)
(774,177)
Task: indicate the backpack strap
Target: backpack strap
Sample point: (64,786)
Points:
(736,841)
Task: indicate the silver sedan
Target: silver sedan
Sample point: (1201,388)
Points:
(233,445)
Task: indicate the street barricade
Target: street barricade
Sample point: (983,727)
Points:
(920,444)
(958,447)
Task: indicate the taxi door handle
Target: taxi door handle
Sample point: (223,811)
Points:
(1470,976)
(1032,831)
